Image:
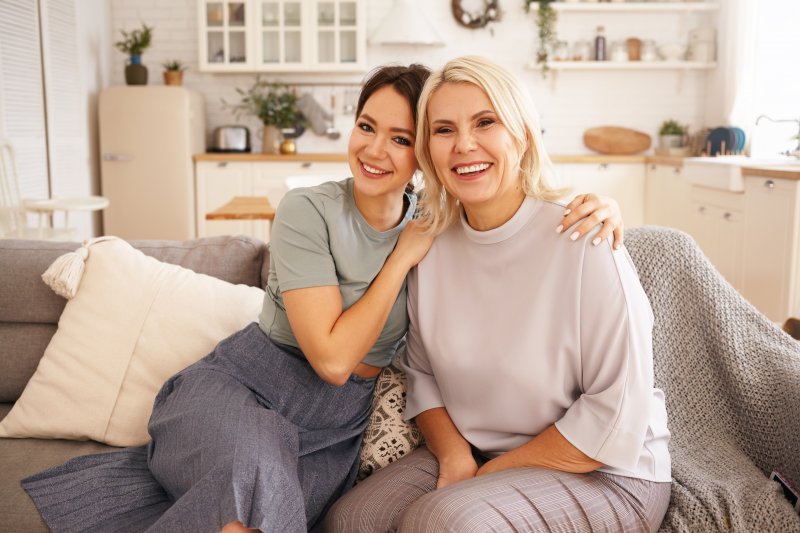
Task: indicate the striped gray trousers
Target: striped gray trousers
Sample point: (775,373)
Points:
(402,497)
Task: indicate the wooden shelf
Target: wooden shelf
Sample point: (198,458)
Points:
(625,65)
(584,7)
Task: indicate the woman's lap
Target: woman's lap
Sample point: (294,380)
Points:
(401,497)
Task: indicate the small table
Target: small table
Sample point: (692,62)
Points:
(245,208)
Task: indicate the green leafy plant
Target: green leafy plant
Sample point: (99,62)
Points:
(671,127)
(173,66)
(135,42)
(273,103)
(546,18)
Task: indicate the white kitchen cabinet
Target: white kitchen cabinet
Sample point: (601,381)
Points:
(772,246)
(225,35)
(625,182)
(269,178)
(667,197)
(282,35)
(217,182)
(716,221)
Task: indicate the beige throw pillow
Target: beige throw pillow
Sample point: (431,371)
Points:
(133,323)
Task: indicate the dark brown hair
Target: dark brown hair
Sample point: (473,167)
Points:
(407,81)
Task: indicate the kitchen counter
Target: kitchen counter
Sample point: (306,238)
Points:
(784,172)
(583,158)
(252,157)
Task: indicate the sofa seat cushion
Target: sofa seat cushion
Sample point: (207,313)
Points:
(20,458)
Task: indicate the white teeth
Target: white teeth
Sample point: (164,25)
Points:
(374,170)
(472,168)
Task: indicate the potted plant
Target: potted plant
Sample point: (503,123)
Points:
(274,104)
(670,135)
(546,18)
(133,44)
(173,72)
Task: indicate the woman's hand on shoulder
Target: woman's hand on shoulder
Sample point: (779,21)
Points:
(591,210)
(412,245)
(456,467)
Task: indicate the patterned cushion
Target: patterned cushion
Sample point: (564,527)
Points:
(388,437)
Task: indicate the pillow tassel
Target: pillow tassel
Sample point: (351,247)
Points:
(64,275)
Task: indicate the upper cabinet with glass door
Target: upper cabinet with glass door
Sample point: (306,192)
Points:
(284,36)
(338,37)
(225,35)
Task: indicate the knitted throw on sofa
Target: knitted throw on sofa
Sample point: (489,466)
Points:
(732,385)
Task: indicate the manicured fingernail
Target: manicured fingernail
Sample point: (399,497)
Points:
(567,212)
(560,228)
(617,246)
(574,236)
(596,241)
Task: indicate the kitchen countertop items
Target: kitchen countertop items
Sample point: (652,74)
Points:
(616,140)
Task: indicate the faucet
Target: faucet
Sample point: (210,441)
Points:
(796,151)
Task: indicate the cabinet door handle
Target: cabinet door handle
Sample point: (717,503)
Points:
(652,166)
(306,164)
(116,157)
(769,184)
(701,209)
(603,166)
(727,216)
(222,164)
(677,170)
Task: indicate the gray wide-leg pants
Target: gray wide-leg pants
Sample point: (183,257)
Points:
(403,497)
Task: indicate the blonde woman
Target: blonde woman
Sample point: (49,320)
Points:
(529,359)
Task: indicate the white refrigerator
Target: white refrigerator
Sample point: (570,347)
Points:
(148,137)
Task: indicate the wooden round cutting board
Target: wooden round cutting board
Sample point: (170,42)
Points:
(616,140)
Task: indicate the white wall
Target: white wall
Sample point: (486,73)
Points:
(569,104)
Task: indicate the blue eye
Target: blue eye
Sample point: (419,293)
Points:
(403,141)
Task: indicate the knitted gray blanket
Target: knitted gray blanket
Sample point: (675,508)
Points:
(732,385)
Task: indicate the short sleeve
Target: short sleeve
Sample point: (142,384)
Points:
(423,391)
(609,421)
(299,244)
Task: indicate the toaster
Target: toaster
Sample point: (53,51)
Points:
(230,139)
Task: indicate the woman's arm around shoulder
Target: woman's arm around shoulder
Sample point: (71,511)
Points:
(335,341)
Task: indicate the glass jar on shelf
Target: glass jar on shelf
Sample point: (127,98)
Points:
(581,50)
(561,51)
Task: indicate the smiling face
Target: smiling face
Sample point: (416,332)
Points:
(474,155)
(381,147)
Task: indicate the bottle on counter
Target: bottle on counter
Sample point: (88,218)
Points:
(600,44)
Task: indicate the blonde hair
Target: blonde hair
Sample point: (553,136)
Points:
(517,113)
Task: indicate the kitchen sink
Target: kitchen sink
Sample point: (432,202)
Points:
(725,172)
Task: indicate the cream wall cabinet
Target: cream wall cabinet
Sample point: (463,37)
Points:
(625,182)
(219,181)
(771,268)
(282,35)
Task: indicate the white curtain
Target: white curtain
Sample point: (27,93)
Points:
(739,65)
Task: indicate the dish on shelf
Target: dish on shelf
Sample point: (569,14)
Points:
(672,51)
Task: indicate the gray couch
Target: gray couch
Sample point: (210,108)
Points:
(731,378)
(29,312)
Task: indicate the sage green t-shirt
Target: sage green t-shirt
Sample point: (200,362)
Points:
(320,238)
